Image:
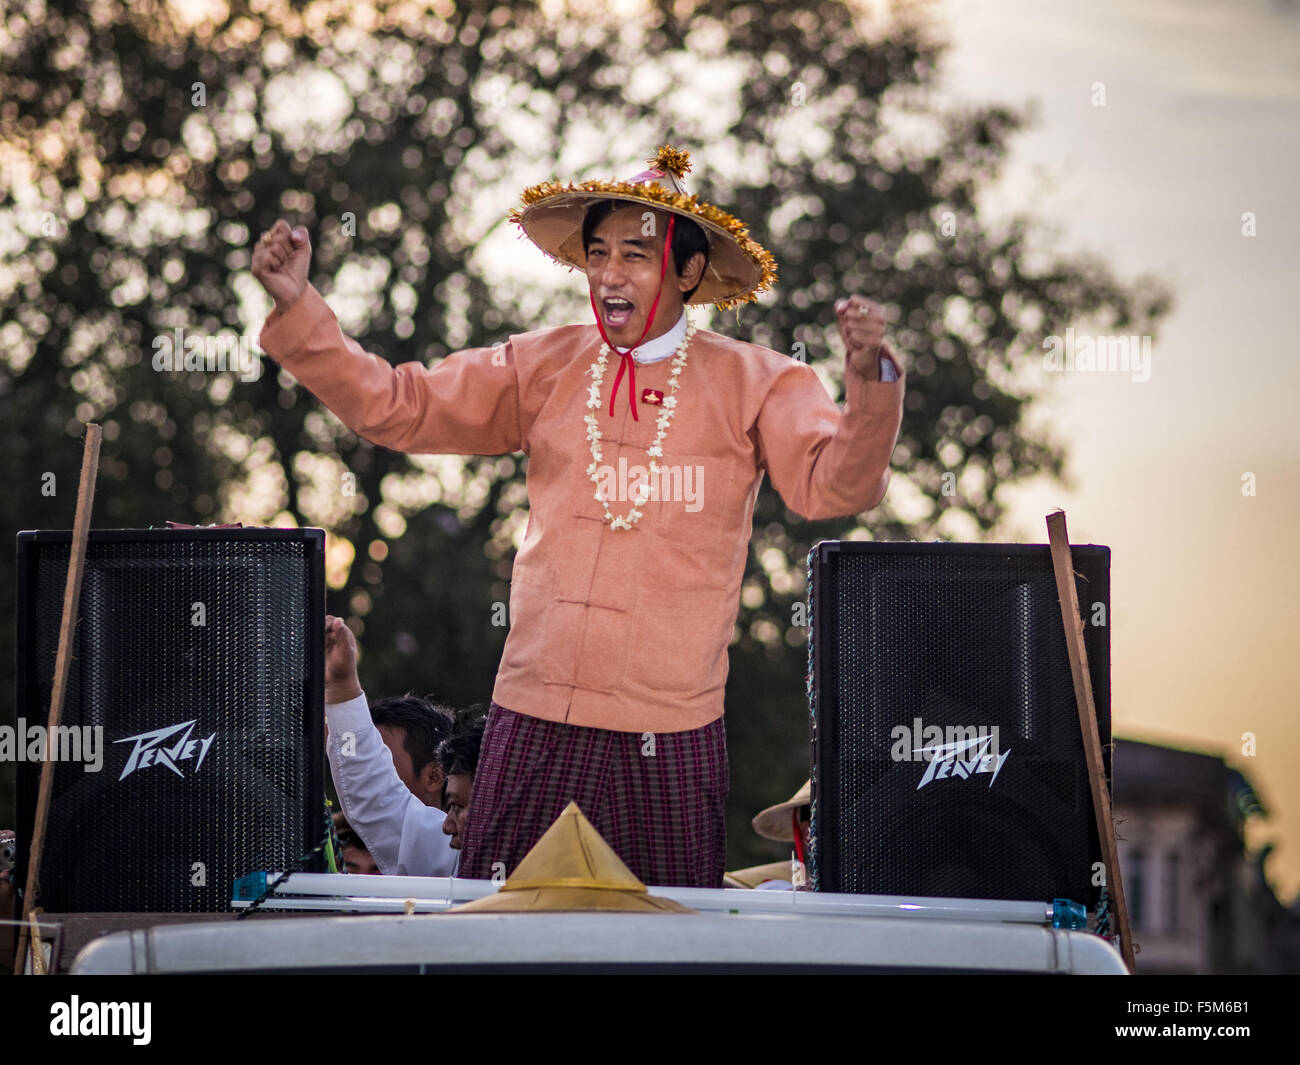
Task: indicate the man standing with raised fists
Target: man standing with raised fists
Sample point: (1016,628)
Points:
(626,589)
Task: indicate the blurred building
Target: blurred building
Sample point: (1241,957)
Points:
(1198,899)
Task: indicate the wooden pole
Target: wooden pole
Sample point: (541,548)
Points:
(62,663)
(1063,566)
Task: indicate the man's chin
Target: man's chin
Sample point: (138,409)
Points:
(628,333)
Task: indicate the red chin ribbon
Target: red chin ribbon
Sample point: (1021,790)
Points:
(627,365)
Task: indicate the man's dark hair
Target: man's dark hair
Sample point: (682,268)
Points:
(347,835)
(688,237)
(425,725)
(458,753)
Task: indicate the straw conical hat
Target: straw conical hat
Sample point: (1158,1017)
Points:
(571,868)
(774,822)
(754,875)
(739,267)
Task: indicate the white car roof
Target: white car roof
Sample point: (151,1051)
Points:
(598,941)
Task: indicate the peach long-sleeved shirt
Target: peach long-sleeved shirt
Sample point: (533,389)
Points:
(616,629)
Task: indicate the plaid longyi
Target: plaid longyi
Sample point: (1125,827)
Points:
(658,800)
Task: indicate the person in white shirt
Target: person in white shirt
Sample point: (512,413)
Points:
(403,835)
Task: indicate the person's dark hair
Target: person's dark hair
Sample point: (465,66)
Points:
(459,752)
(347,835)
(425,725)
(688,237)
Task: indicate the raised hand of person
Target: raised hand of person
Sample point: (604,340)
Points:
(280,262)
(341,681)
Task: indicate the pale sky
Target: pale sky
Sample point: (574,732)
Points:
(1199,126)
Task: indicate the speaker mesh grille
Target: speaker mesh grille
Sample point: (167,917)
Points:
(176,630)
(922,644)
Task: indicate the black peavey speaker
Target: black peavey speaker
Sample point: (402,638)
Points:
(946,747)
(198,661)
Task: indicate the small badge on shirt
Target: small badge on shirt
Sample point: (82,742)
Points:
(652,396)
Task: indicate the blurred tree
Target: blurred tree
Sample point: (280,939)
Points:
(145,145)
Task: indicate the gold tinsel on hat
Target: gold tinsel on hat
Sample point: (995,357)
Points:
(675,162)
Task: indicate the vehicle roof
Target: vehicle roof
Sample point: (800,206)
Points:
(586,942)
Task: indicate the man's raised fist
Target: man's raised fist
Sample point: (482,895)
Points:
(341,683)
(281,258)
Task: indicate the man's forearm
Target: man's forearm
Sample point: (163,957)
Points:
(828,462)
(343,690)
(466,404)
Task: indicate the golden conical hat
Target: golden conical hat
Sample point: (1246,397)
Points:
(571,868)
(739,268)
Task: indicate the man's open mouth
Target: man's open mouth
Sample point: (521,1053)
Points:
(618,312)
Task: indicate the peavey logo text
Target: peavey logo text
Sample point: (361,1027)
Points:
(149,751)
(962,758)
